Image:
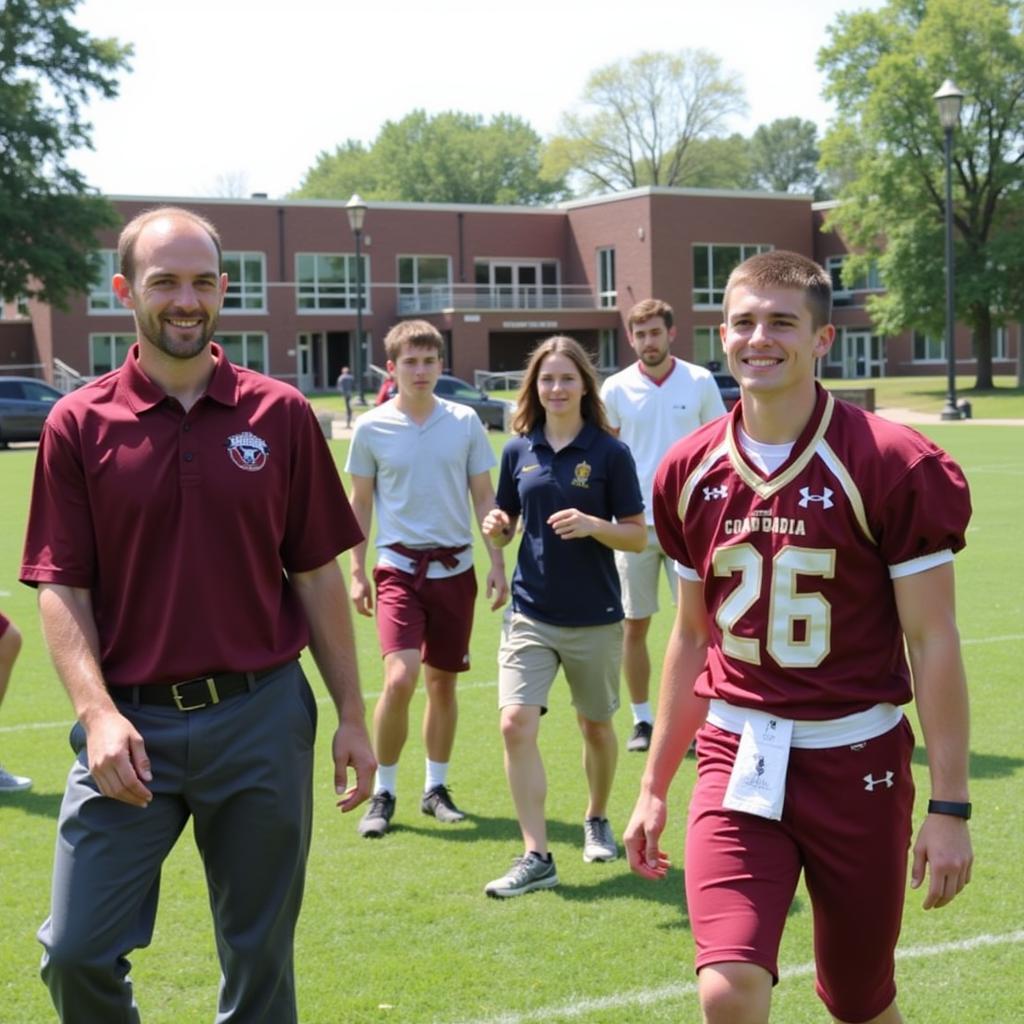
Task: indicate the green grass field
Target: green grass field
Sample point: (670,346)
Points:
(398,930)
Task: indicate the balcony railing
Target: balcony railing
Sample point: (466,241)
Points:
(434,298)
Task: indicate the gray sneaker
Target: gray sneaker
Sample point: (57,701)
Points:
(438,803)
(598,840)
(641,737)
(377,819)
(527,873)
(13,783)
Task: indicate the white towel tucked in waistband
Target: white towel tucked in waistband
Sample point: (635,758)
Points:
(832,732)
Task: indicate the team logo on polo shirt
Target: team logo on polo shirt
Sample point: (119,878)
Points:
(248,452)
(581,475)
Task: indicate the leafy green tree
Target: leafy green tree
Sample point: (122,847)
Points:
(641,118)
(784,156)
(451,157)
(48,215)
(721,162)
(882,70)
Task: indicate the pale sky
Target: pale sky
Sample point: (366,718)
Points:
(251,91)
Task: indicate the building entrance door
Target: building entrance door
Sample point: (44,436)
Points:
(863,354)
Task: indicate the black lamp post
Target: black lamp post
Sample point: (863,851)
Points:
(949,99)
(356,210)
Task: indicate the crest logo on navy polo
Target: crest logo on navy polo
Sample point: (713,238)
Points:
(581,475)
(248,452)
(807,497)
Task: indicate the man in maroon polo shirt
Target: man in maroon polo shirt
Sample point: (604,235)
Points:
(185,523)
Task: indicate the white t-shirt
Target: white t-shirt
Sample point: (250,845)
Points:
(651,416)
(421,478)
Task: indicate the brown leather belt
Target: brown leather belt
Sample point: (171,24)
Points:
(192,694)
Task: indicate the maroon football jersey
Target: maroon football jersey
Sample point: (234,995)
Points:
(795,565)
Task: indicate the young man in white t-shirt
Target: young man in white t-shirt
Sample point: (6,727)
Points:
(421,459)
(651,404)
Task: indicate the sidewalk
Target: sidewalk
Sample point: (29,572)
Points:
(916,418)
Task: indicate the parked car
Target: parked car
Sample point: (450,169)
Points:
(729,388)
(24,405)
(492,411)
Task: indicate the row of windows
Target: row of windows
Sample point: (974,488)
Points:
(331,281)
(243,348)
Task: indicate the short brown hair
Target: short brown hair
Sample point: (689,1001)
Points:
(131,231)
(647,309)
(779,268)
(529,413)
(417,333)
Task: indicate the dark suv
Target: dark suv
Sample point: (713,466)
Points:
(24,404)
(490,410)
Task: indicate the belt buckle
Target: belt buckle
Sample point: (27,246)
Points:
(211,687)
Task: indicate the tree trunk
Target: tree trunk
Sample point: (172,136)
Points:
(981,327)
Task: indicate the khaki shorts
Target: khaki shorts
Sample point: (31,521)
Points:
(531,652)
(638,574)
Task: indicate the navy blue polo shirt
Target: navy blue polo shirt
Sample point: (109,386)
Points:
(567,582)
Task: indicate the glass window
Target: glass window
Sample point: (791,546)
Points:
(328,281)
(101,293)
(424,283)
(999,345)
(247,349)
(707,346)
(247,284)
(107,351)
(871,282)
(607,349)
(606,293)
(712,265)
(927,349)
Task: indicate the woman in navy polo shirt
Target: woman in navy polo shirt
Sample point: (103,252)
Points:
(575,488)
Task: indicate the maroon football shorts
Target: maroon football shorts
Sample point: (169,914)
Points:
(436,619)
(846,823)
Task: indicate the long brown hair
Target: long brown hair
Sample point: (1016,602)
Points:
(530,413)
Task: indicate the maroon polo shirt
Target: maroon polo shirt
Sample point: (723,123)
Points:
(184,526)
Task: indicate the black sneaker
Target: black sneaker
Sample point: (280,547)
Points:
(527,873)
(437,802)
(377,819)
(641,738)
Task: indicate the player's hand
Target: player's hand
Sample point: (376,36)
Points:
(641,837)
(944,845)
(497,587)
(352,749)
(361,592)
(117,757)
(495,524)
(572,524)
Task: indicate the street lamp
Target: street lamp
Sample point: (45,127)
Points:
(949,99)
(356,210)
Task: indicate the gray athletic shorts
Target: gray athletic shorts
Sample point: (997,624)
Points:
(638,574)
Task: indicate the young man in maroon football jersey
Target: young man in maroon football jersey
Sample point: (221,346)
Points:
(811,539)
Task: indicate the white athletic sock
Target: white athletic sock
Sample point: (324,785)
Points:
(387,778)
(437,775)
(642,712)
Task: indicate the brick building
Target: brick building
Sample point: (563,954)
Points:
(494,280)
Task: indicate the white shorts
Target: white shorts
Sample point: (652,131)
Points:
(638,575)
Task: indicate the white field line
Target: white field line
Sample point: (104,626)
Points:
(483,685)
(648,997)
(66,723)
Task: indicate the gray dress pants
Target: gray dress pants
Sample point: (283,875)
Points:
(242,770)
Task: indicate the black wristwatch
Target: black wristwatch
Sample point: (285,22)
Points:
(951,807)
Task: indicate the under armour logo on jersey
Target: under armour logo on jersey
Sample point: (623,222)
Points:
(716,493)
(870,782)
(806,497)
